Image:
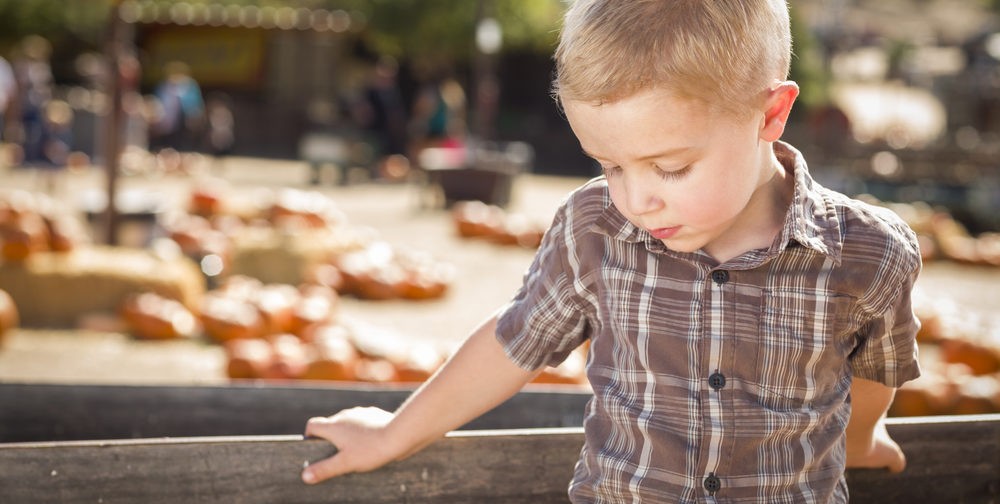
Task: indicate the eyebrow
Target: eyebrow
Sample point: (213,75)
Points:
(657,155)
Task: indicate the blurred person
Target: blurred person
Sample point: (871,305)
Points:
(438,118)
(220,135)
(34,80)
(382,114)
(8,94)
(138,117)
(56,143)
(136,123)
(747,327)
(182,110)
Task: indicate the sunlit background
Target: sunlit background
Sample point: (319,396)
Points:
(263,146)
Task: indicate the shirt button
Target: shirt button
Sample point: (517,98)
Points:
(712,483)
(717,380)
(720,276)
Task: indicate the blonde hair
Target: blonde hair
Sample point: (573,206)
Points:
(723,52)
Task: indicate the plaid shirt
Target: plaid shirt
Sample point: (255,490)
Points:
(720,382)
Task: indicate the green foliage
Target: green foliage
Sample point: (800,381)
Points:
(808,68)
(434,31)
(60,21)
(442,29)
(446,28)
(530,24)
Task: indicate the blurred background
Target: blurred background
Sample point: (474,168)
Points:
(898,75)
(238,126)
(899,97)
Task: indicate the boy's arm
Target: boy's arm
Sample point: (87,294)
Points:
(868,442)
(475,379)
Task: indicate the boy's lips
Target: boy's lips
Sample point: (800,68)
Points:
(664,233)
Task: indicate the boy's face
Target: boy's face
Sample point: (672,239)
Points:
(689,175)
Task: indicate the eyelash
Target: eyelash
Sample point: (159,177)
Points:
(611,170)
(665,175)
(675,174)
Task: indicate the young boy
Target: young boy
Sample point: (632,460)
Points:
(747,326)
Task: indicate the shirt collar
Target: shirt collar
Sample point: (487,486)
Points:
(811,220)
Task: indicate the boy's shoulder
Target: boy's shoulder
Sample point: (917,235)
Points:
(868,229)
(846,227)
(863,216)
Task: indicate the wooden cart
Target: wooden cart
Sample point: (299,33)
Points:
(242,443)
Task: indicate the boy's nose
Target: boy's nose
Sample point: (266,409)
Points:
(640,194)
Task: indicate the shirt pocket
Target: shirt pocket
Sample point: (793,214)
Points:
(800,359)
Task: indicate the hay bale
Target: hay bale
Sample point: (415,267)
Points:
(274,255)
(55,290)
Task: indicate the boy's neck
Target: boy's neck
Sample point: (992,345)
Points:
(763,218)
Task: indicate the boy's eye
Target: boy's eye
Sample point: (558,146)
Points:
(673,174)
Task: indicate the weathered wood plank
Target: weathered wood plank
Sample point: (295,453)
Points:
(488,467)
(56,412)
(951,459)
(954,459)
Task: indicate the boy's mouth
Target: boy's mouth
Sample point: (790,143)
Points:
(664,233)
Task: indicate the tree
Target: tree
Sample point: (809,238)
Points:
(57,20)
(446,28)
(439,30)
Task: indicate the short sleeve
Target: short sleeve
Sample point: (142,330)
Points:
(544,321)
(886,350)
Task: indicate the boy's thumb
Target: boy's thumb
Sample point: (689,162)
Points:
(898,463)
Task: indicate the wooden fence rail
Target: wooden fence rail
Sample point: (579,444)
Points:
(951,459)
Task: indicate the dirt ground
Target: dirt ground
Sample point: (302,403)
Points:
(400,213)
(487,275)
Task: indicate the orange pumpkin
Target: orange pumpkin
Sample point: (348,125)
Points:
(334,357)
(248,358)
(8,313)
(153,317)
(224,318)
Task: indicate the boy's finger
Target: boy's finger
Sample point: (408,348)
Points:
(311,426)
(898,463)
(315,425)
(323,470)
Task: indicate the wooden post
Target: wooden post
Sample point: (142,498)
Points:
(486,85)
(115,119)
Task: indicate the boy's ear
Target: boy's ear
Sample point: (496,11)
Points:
(777,106)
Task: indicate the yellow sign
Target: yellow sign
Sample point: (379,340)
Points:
(223,56)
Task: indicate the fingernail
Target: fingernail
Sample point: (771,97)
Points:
(308,476)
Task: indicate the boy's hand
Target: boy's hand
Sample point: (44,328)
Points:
(476,378)
(868,442)
(880,452)
(360,437)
